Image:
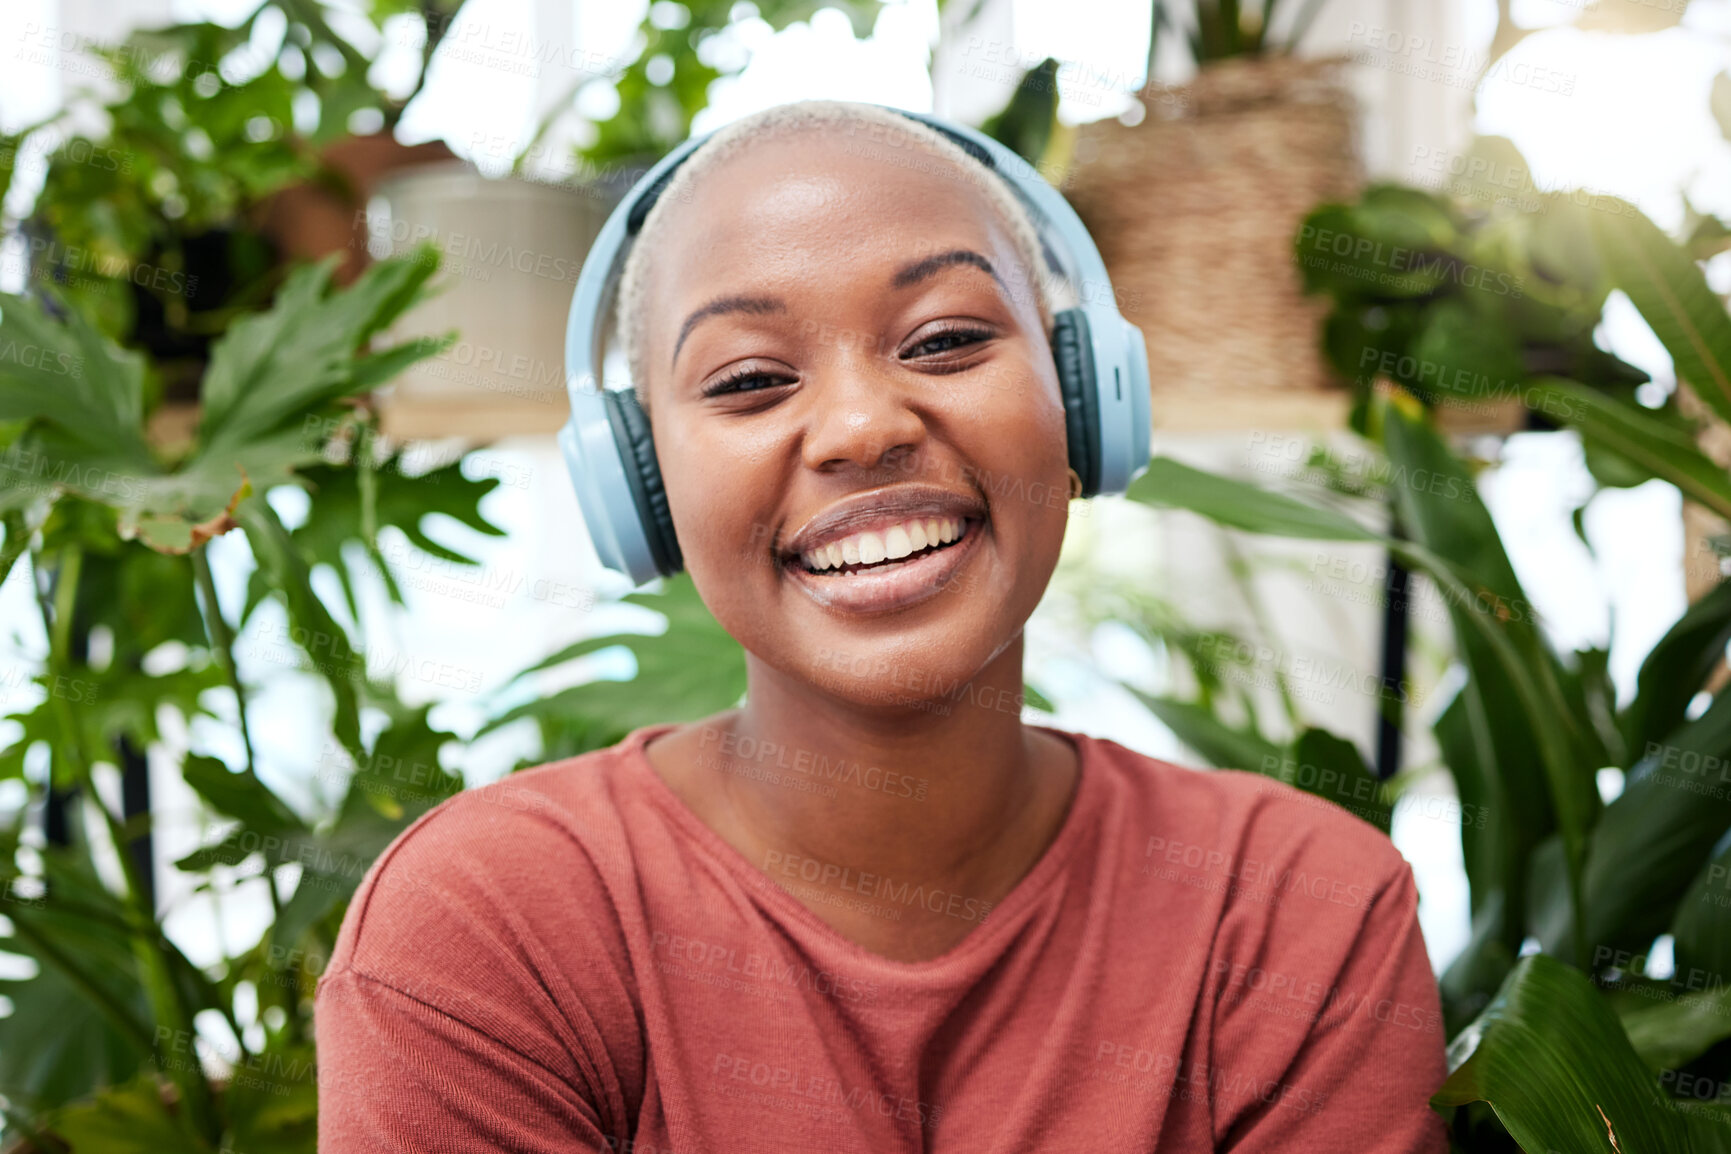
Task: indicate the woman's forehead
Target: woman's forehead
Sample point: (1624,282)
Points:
(794,201)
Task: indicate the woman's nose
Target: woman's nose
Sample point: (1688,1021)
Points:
(863,416)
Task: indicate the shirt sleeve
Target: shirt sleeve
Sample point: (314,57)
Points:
(477,998)
(397,1076)
(1363,1028)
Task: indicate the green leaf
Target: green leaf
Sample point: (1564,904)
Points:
(1025,124)
(82,1020)
(1675,669)
(1702,925)
(274,1109)
(1671,1030)
(1656,837)
(65,374)
(272,366)
(1331,767)
(129,1119)
(693,669)
(1709,1126)
(1635,435)
(1395,243)
(1461,352)
(1673,297)
(334,518)
(1551,1059)
(312,624)
(1217,743)
(1494,847)
(1171,484)
(240,795)
(1528,749)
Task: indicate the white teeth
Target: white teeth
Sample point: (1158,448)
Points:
(890,544)
(897,543)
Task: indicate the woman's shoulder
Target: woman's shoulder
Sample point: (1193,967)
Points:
(532,849)
(1231,820)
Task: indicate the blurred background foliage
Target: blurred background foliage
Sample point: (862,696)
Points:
(1560,1040)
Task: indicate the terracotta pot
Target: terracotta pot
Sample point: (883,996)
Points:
(311,220)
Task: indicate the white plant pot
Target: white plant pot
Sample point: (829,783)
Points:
(510,252)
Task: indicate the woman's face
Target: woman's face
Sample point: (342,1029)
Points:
(834,359)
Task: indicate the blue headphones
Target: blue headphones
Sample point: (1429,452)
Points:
(1101,359)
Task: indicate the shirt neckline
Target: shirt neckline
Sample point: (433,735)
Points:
(1004,917)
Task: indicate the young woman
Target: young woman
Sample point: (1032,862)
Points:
(871,909)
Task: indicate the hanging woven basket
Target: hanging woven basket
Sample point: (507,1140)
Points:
(1195,210)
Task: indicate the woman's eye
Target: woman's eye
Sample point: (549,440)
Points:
(946,342)
(743,383)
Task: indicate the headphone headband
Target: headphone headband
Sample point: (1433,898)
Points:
(1115,417)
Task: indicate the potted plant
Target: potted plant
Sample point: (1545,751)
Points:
(514,245)
(1193,206)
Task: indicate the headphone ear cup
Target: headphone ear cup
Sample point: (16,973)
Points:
(643,474)
(1073,352)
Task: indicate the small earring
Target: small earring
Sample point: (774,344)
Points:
(1075,484)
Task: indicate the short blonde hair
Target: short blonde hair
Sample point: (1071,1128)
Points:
(876,125)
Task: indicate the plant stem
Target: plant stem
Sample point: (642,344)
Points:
(160,989)
(221,639)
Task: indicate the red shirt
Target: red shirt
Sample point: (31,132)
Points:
(570,960)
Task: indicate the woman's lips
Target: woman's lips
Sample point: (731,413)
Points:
(889,585)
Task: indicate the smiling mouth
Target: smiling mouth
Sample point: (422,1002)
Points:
(849,556)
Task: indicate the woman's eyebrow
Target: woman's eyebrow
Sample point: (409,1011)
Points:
(920,269)
(758,305)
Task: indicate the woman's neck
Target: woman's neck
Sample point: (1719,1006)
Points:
(853,808)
